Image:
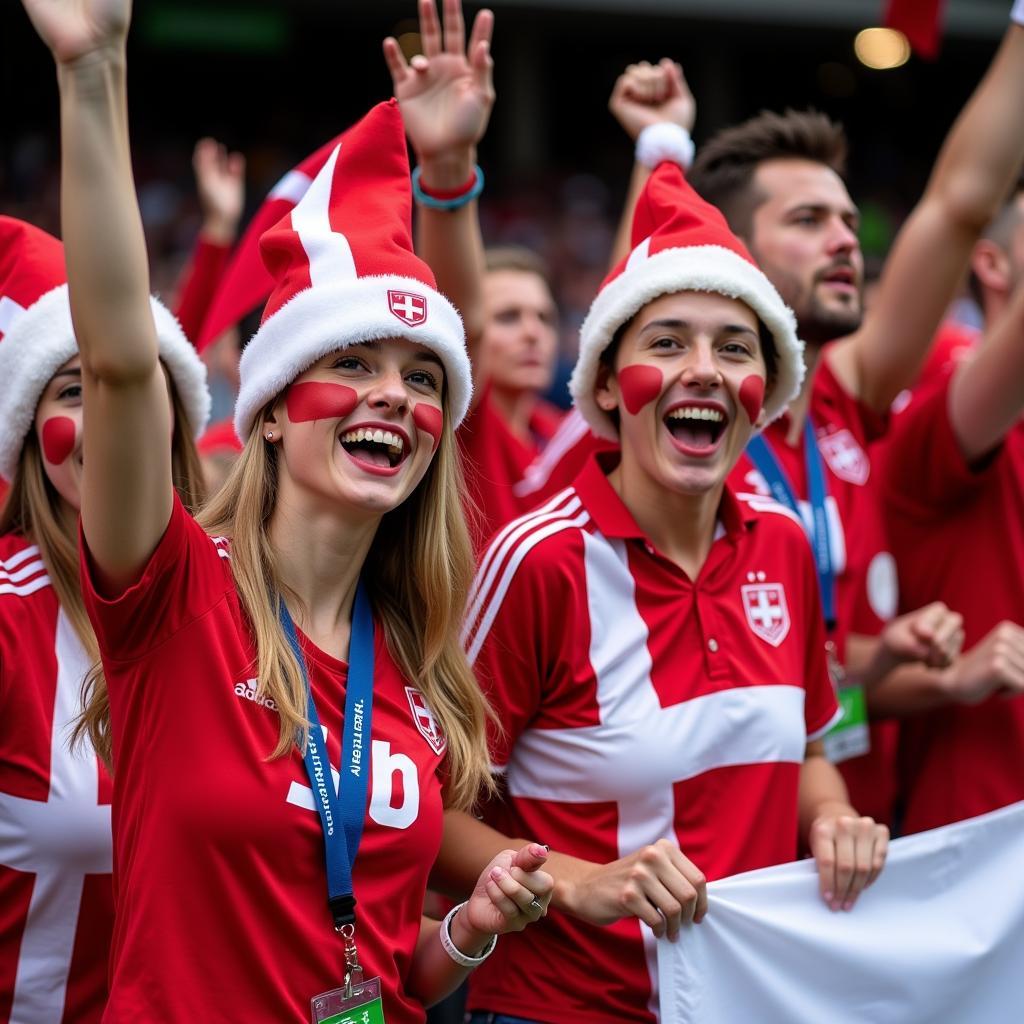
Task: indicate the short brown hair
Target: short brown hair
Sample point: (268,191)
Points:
(723,171)
(999,230)
(516,257)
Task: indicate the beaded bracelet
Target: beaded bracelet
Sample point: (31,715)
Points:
(448,200)
(453,951)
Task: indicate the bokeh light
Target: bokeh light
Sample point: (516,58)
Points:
(881,48)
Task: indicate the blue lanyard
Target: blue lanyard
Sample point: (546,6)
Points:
(339,816)
(768,465)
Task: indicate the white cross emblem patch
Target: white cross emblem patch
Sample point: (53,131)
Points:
(425,721)
(409,307)
(767,611)
(845,457)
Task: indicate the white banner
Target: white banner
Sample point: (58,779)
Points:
(939,938)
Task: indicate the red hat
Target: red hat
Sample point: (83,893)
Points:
(37,337)
(346,272)
(682,243)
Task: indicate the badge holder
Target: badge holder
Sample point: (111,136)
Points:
(357,1001)
(850,736)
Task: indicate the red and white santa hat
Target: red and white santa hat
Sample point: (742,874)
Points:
(37,337)
(346,273)
(682,243)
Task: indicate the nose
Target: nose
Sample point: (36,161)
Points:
(389,392)
(701,372)
(842,238)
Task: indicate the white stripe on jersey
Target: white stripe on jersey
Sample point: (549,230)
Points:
(762,503)
(15,560)
(570,432)
(499,548)
(25,589)
(22,574)
(34,839)
(517,546)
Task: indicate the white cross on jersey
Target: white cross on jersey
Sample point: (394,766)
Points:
(34,837)
(640,749)
(764,612)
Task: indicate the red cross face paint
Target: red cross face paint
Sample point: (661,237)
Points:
(58,437)
(314,400)
(640,385)
(752,396)
(430,420)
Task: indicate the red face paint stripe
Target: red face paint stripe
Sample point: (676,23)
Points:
(429,419)
(752,396)
(58,439)
(313,400)
(640,385)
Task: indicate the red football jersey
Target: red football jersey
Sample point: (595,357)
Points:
(636,704)
(866,587)
(959,531)
(494,460)
(219,854)
(56,908)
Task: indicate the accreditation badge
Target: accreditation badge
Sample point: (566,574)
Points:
(352,1004)
(850,736)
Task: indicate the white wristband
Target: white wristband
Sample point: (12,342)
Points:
(453,951)
(1017,14)
(667,141)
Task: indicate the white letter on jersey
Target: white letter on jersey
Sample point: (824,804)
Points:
(385,764)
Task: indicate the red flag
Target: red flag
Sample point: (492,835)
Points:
(920,21)
(246,282)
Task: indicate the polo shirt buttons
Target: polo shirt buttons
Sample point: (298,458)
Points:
(713,645)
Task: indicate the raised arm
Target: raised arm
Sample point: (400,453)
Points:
(644,95)
(974,171)
(127,489)
(446,95)
(986,395)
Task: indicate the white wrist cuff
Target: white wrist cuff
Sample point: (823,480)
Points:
(453,951)
(667,141)
(1017,14)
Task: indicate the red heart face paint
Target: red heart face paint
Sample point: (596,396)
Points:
(752,396)
(58,436)
(640,385)
(313,400)
(429,419)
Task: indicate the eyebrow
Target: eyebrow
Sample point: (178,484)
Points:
(686,325)
(67,373)
(423,357)
(824,208)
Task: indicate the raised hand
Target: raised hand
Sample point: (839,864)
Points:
(74,28)
(220,182)
(647,94)
(446,93)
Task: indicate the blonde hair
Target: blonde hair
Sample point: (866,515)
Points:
(417,573)
(33,509)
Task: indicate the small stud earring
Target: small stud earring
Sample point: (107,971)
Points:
(270,435)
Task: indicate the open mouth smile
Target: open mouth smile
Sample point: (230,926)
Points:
(697,428)
(377,448)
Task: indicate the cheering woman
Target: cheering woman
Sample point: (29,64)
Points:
(289,707)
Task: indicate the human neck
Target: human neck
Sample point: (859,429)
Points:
(319,555)
(515,407)
(681,526)
(798,407)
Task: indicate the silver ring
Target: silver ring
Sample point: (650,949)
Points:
(535,905)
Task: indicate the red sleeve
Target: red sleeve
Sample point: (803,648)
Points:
(923,469)
(522,636)
(199,284)
(184,577)
(821,708)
